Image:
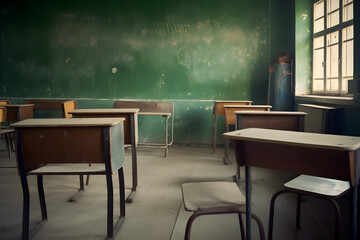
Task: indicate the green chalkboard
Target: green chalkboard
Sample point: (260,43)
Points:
(135,49)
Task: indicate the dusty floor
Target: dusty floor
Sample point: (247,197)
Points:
(157,212)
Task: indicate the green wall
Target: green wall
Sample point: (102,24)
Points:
(303,46)
(188,52)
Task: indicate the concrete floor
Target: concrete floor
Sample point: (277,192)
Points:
(157,212)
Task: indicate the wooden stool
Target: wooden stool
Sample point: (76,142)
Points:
(312,186)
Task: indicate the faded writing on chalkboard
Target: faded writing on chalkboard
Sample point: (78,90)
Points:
(163,28)
(77,22)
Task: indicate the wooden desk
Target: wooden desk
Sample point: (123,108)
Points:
(152,108)
(323,155)
(130,131)
(290,121)
(229,115)
(54,104)
(61,144)
(218,109)
(18,112)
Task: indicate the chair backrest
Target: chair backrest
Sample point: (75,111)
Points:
(68,106)
(54,104)
(4,102)
(2,114)
(146,106)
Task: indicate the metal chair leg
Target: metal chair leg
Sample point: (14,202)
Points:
(298,211)
(189,224)
(41,196)
(337,218)
(242,228)
(271,215)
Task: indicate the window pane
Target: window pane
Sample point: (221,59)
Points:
(332,84)
(348,33)
(347,1)
(348,13)
(333,19)
(318,9)
(332,38)
(319,25)
(332,61)
(319,42)
(332,57)
(318,85)
(332,5)
(318,63)
(345,84)
(347,59)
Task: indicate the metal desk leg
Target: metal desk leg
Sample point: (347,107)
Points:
(214,128)
(355,195)
(248,201)
(129,199)
(166,135)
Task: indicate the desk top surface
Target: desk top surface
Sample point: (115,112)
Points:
(44,100)
(247,106)
(67,122)
(230,101)
(270,113)
(305,139)
(105,111)
(155,113)
(17,105)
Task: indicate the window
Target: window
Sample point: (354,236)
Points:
(333,46)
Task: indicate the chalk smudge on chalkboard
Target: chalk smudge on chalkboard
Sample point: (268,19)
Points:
(163,28)
(72,30)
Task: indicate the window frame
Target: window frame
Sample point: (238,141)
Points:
(324,33)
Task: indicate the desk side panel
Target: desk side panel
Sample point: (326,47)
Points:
(117,153)
(301,160)
(146,106)
(279,122)
(26,112)
(220,106)
(63,145)
(230,117)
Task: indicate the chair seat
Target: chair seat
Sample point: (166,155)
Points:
(69,169)
(204,195)
(318,186)
(7,130)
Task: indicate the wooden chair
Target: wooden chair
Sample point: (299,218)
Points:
(44,149)
(325,188)
(155,108)
(218,109)
(6,131)
(229,115)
